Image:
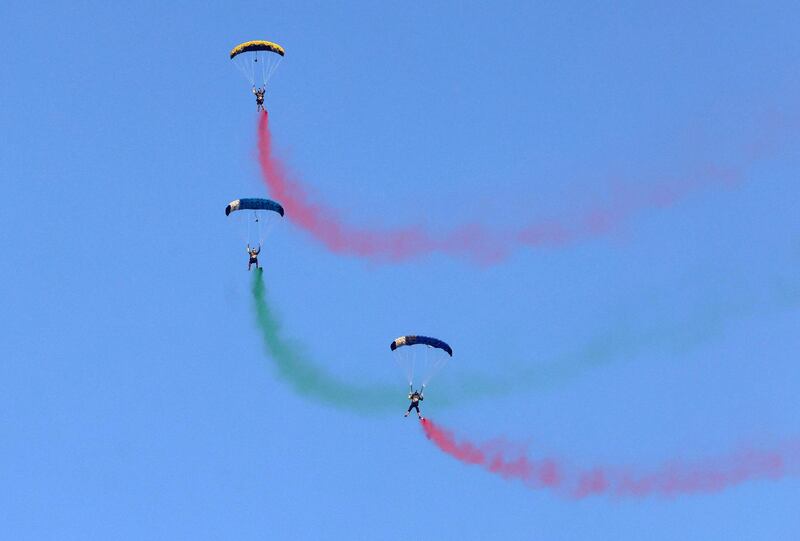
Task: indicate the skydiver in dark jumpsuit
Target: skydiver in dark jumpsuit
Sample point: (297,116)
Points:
(253,256)
(415,397)
(259,92)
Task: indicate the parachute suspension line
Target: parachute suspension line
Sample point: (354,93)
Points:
(260,231)
(435,369)
(265,71)
(274,66)
(409,358)
(400,360)
(267,224)
(432,365)
(243,66)
(426,367)
(412,358)
(242,224)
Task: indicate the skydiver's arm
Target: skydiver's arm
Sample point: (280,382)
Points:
(258,251)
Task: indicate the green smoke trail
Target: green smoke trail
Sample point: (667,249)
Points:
(310,379)
(662,339)
(619,343)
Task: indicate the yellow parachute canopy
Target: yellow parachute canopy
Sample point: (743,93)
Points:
(249,46)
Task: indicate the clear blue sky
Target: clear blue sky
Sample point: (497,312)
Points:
(136,401)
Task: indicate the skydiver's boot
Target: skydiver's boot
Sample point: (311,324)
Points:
(406,415)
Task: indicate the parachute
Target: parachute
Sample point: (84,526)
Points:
(257,60)
(427,340)
(425,361)
(253,204)
(256,217)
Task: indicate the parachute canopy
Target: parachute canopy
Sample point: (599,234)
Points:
(250,46)
(257,60)
(253,204)
(427,340)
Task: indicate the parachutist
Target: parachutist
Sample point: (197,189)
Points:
(415,397)
(259,92)
(257,60)
(253,252)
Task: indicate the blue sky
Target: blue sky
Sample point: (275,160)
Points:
(137,401)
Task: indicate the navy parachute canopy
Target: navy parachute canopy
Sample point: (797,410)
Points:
(427,340)
(254,204)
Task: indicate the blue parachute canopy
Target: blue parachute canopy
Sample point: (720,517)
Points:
(253,204)
(427,340)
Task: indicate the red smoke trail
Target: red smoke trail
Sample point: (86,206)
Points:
(340,238)
(472,240)
(671,479)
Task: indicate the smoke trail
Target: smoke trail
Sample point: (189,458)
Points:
(673,478)
(625,341)
(307,378)
(471,240)
(619,343)
(339,238)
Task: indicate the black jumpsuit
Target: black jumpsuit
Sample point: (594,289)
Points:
(415,397)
